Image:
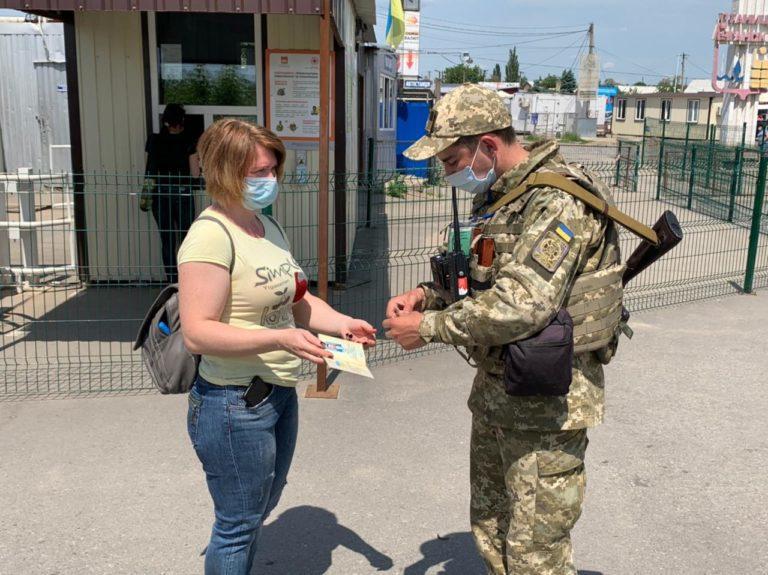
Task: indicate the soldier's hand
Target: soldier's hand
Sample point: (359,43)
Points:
(405,303)
(404,329)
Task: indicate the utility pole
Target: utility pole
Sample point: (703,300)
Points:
(591,38)
(679,65)
(683,56)
(677,69)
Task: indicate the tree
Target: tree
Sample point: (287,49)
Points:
(461,73)
(610,82)
(548,83)
(640,83)
(666,85)
(512,69)
(567,82)
(496,76)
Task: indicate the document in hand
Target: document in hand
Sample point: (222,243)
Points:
(347,355)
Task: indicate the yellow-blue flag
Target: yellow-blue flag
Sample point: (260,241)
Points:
(395,23)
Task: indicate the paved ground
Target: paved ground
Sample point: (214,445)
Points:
(676,475)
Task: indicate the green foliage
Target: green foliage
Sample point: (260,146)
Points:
(610,82)
(640,83)
(666,85)
(567,82)
(512,69)
(571,138)
(496,76)
(461,73)
(228,88)
(544,84)
(397,187)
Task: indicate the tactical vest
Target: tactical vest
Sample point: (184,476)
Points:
(594,299)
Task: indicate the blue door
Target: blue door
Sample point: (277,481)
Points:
(412,116)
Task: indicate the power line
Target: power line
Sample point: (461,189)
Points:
(653,72)
(692,63)
(484,27)
(547,59)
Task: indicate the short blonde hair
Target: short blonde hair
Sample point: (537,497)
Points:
(227,149)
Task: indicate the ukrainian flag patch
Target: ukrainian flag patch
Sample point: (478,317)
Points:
(551,248)
(563,231)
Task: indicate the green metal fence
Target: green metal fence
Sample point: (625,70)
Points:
(80,262)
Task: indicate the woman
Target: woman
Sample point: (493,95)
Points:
(241,295)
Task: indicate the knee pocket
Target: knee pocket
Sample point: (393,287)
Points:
(559,495)
(549,491)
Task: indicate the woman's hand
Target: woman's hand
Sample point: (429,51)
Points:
(303,344)
(358,330)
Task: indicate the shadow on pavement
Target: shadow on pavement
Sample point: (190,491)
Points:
(302,540)
(456,552)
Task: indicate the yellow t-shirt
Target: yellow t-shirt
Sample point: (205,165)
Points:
(264,281)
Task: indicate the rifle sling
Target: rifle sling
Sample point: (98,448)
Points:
(553,180)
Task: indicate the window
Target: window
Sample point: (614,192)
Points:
(206,59)
(621,109)
(386,103)
(640,110)
(693,111)
(666,110)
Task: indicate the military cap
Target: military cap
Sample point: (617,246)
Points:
(466,111)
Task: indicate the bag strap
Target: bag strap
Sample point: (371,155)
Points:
(226,231)
(554,180)
(273,221)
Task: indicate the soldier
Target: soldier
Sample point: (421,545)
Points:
(552,253)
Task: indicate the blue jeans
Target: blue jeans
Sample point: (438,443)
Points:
(246,453)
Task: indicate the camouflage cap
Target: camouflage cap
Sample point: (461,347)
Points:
(466,111)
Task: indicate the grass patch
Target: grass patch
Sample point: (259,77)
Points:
(571,138)
(397,188)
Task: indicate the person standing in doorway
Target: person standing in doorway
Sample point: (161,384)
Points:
(171,164)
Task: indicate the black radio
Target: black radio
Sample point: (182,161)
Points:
(450,271)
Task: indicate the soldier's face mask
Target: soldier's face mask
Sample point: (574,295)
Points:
(467,180)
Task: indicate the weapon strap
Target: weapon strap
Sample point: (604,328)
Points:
(554,180)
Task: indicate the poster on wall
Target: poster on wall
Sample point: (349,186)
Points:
(293,94)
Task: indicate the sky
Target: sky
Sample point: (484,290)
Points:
(635,40)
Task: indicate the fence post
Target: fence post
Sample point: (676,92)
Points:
(369,182)
(709,155)
(685,150)
(734,184)
(618,167)
(754,235)
(691,181)
(661,159)
(642,151)
(740,181)
(637,168)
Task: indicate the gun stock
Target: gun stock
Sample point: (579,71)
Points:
(670,234)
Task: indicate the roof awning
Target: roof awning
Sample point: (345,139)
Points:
(230,6)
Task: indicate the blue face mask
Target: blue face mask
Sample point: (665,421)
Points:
(469,182)
(259,193)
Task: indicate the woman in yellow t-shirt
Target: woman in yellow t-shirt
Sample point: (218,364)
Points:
(241,296)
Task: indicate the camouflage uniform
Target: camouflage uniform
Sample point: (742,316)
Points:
(527,452)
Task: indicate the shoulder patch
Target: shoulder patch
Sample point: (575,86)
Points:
(552,247)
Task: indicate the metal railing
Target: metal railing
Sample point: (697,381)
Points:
(68,330)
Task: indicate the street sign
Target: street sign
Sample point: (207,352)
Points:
(417,84)
(408,54)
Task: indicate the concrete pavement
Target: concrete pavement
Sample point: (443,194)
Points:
(676,475)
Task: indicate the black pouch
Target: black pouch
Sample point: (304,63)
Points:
(543,363)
